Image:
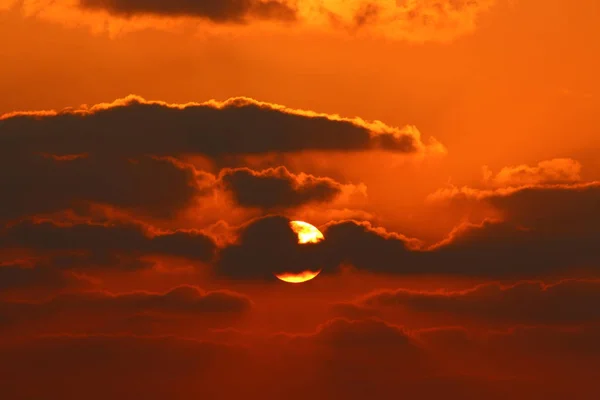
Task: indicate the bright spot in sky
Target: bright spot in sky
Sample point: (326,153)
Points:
(306,232)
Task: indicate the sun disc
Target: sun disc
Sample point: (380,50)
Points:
(306,232)
(298,278)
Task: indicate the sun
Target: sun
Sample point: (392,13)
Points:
(307,234)
(298,278)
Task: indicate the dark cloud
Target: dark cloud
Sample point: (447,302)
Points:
(566,302)
(267,246)
(219,11)
(366,248)
(557,237)
(103,241)
(19,276)
(134,127)
(121,367)
(342,359)
(547,229)
(99,260)
(100,312)
(371,333)
(277,188)
(559,210)
(36,184)
(118,155)
(544,230)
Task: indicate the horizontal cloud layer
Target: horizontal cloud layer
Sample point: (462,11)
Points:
(19,276)
(133,126)
(341,359)
(566,302)
(106,239)
(151,186)
(147,185)
(544,230)
(220,11)
(415,21)
(102,312)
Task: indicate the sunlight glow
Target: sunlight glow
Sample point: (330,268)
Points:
(298,278)
(306,232)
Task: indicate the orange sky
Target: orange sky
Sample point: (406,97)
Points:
(519,89)
(498,101)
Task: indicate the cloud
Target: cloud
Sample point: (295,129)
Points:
(132,127)
(146,185)
(545,232)
(218,11)
(541,227)
(341,359)
(105,240)
(420,21)
(568,209)
(277,188)
(123,155)
(531,303)
(181,309)
(19,276)
(343,333)
(154,187)
(536,229)
(266,246)
(557,170)
(413,21)
(121,366)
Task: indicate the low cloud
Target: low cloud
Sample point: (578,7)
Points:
(185,308)
(39,184)
(570,302)
(16,276)
(277,188)
(105,240)
(341,359)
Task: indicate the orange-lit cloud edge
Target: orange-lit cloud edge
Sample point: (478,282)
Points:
(375,127)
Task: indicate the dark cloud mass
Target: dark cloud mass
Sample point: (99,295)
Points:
(134,127)
(553,209)
(352,365)
(539,237)
(121,155)
(103,239)
(219,11)
(277,188)
(566,302)
(37,184)
(19,276)
(99,312)
(267,246)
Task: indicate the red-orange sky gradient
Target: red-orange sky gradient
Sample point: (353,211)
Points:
(154,153)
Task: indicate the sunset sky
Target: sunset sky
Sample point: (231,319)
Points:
(153,155)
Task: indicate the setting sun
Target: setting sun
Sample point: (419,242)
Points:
(306,232)
(299,199)
(298,278)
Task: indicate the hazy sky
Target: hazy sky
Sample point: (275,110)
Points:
(153,153)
